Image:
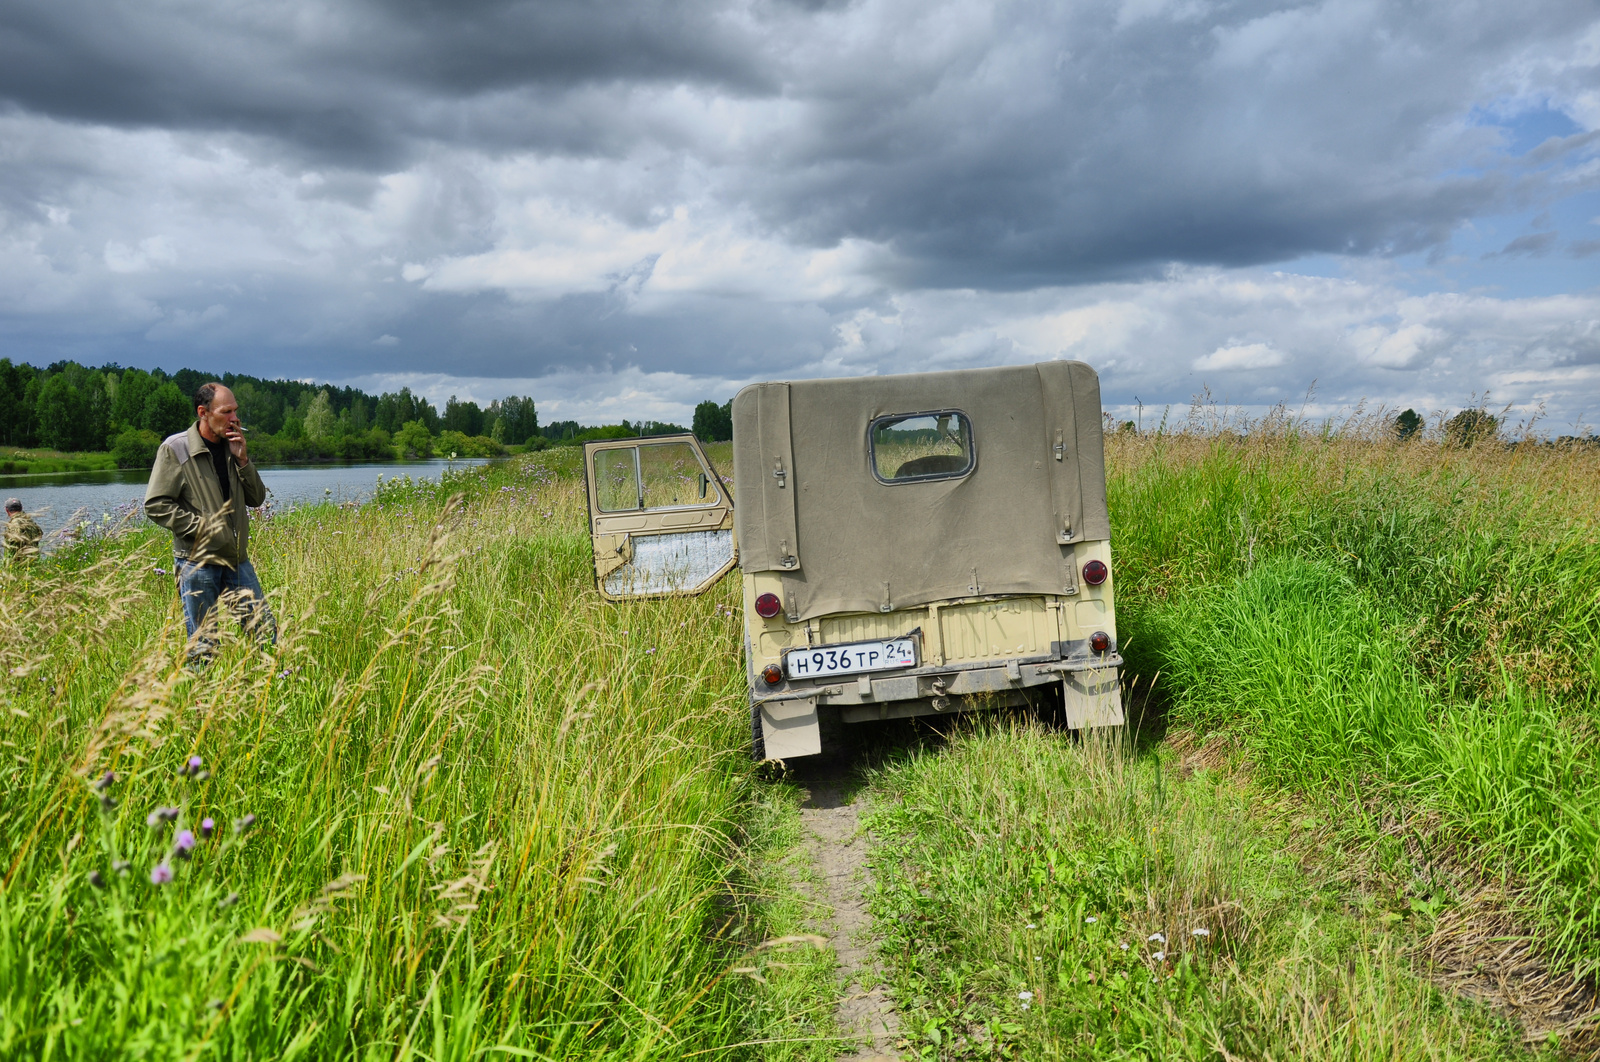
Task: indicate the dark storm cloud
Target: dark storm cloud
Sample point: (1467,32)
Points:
(359,83)
(999,146)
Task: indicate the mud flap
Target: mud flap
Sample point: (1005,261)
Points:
(1092,698)
(790,729)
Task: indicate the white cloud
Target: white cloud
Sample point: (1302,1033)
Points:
(1240,356)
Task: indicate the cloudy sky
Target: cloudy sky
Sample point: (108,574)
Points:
(624,207)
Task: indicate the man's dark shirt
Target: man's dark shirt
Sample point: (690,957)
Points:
(219,461)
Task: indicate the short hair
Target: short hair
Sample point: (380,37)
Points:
(205,393)
(13,505)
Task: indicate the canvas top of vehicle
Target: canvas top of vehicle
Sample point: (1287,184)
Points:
(908,544)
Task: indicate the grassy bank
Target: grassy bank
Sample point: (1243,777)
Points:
(1410,623)
(462,809)
(15,461)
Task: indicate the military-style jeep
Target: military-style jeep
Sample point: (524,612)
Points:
(910,545)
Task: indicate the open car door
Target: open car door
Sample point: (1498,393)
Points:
(659,515)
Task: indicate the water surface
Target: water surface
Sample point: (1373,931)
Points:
(63,499)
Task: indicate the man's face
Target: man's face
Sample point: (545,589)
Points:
(222,416)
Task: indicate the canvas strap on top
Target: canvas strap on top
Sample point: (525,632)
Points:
(1061,429)
(766,482)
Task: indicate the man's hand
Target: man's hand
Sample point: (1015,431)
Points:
(237,445)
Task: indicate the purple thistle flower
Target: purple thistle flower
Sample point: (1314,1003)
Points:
(108,802)
(241,825)
(168,814)
(154,820)
(183,844)
(105,782)
(208,826)
(160,874)
(96,880)
(193,766)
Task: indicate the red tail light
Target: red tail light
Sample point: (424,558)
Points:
(1095,572)
(768,605)
(771,675)
(1099,641)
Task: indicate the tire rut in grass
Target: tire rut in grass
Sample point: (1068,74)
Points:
(830,815)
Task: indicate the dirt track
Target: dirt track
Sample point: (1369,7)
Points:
(830,815)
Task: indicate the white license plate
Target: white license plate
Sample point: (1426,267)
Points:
(825,661)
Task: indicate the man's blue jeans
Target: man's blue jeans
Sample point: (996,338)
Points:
(201,586)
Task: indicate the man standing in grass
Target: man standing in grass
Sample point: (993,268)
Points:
(22,533)
(201,489)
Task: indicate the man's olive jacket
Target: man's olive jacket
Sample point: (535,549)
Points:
(185,498)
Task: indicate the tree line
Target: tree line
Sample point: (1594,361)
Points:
(71,407)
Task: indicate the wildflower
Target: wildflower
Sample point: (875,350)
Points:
(1155,938)
(108,803)
(1091,920)
(1030,925)
(1199,932)
(154,819)
(650,650)
(1159,956)
(241,825)
(96,880)
(1124,947)
(106,781)
(160,874)
(208,826)
(183,845)
(191,767)
(121,866)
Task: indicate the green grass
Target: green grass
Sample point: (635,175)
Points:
(1406,618)
(1045,900)
(495,817)
(1389,652)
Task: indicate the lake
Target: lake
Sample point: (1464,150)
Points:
(57,499)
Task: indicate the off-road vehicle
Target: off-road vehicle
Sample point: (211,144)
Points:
(910,545)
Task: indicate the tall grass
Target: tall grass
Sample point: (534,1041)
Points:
(1047,901)
(491,815)
(1368,616)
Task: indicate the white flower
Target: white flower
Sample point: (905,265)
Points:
(1159,956)
(1199,932)
(1030,925)
(1091,920)
(1025,995)
(1025,1006)
(1124,947)
(1156,937)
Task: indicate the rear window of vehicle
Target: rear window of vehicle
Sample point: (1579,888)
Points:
(910,447)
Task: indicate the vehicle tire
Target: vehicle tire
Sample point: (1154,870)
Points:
(758,740)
